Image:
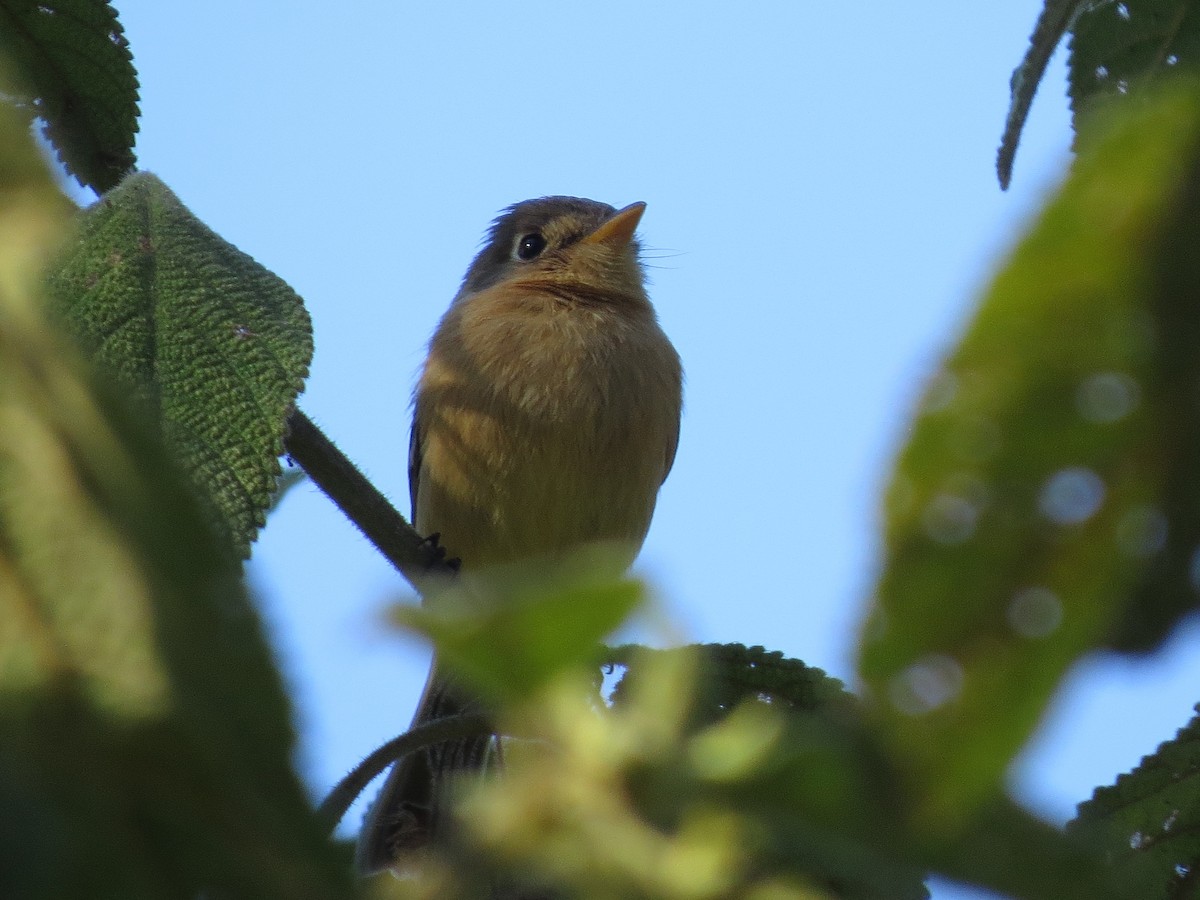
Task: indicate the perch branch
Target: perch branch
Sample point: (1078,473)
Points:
(415,557)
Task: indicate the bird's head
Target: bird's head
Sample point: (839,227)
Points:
(578,245)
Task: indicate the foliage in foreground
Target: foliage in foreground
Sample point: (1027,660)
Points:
(147,373)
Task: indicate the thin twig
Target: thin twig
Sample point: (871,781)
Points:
(415,557)
(450,728)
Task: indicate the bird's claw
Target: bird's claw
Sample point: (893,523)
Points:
(436,553)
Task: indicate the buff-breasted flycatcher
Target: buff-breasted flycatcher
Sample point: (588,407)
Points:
(545,420)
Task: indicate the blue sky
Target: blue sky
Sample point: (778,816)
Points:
(822,214)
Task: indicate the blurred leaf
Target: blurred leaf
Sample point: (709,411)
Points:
(217,345)
(827,802)
(1149,821)
(656,798)
(1052,24)
(1009,851)
(1119,49)
(1046,504)
(819,803)
(510,635)
(144,732)
(74,71)
(647,800)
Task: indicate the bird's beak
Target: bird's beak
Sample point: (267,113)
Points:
(618,231)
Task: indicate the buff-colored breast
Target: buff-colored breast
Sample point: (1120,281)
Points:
(544,426)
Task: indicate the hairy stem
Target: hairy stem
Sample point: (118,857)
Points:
(416,558)
(450,728)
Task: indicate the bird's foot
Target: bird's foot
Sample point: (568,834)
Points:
(436,553)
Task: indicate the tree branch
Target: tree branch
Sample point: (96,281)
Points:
(414,556)
(450,728)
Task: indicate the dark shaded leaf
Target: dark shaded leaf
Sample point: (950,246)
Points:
(144,732)
(830,805)
(1009,851)
(781,744)
(74,70)
(729,674)
(821,803)
(1120,48)
(1149,821)
(1052,24)
(217,345)
(1046,503)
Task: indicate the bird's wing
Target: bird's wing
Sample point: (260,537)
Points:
(414,463)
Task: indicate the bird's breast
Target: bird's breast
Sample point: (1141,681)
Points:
(544,430)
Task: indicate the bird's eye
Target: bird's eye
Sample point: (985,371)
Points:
(530,246)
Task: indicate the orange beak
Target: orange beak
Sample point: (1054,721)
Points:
(618,231)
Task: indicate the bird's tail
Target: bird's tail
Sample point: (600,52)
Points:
(405,816)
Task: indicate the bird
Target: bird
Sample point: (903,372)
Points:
(545,419)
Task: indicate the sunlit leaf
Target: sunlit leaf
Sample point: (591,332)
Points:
(218,346)
(1046,503)
(521,630)
(73,69)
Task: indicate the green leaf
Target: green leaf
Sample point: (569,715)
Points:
(145,737)
(732,673)
(1119,49)
(521,630)
(74,70)
(827,801)
(1116,50)
(1149,821)
(648,799)
(217,345)
(1046,504)
(1011,852)
(816,798)
(1052,24)
(781,745)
